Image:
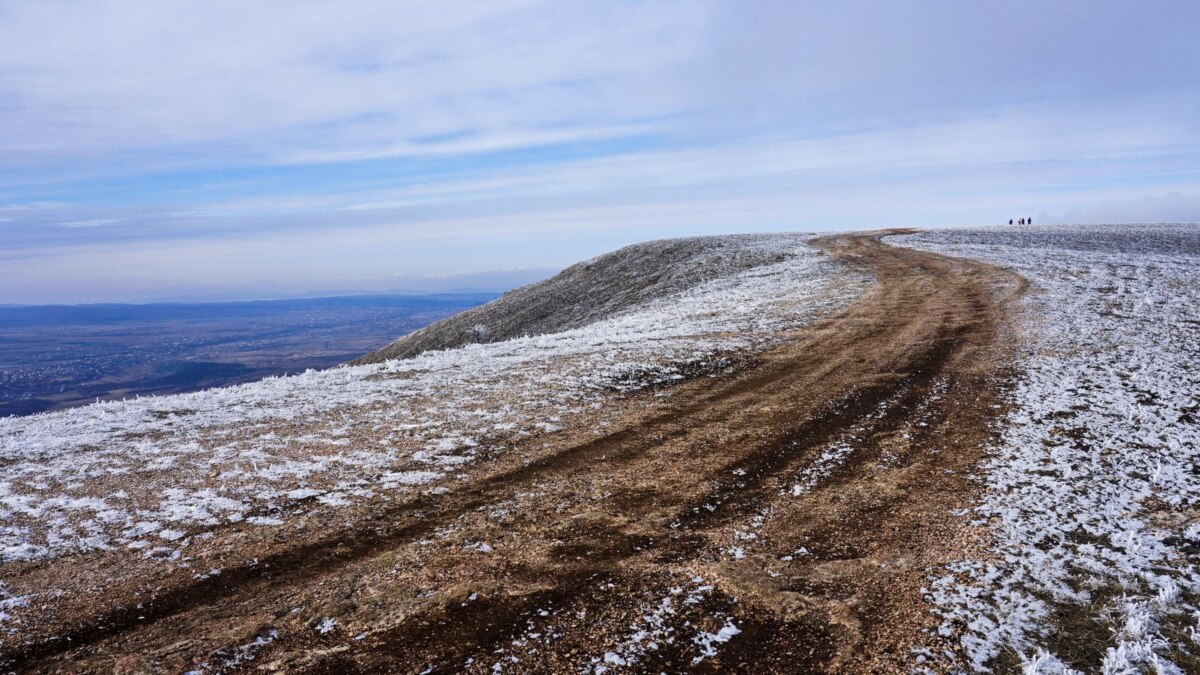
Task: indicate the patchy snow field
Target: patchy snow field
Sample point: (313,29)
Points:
(150,475)
(1090,501)
(1092,497)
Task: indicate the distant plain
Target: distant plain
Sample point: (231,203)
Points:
(54,357)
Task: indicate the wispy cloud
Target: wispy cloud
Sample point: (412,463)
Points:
(91,222)
(310,81)
(181,145)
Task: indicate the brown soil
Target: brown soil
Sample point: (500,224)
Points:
(588,533)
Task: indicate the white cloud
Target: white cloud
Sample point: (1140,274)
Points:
(295,140)
(91,222)
(290,80)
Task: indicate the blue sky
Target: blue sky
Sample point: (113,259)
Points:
(178,150)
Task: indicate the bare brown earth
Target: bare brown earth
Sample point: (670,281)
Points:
(589,532)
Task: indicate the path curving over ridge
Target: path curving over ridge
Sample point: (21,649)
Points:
(808,492)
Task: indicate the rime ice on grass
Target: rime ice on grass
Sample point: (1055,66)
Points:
(147,475)
(1092,494)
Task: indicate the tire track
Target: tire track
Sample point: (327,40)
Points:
(631,510)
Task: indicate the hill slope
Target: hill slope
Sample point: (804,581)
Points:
(864,457)
(590,291)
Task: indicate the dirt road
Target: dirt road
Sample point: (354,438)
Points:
(778,518)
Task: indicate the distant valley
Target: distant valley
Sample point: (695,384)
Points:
(54,357)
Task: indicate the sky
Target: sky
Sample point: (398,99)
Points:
(165,150)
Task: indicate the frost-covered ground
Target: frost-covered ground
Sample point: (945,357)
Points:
(152,475)
(1092,497)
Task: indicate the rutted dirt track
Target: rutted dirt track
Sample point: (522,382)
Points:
(800,499)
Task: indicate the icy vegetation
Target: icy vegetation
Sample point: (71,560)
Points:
(153,474)
(1092,494)
(658,627)
(588,292)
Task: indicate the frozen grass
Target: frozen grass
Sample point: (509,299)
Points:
(1092,493)
(150,475)
(671,620)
